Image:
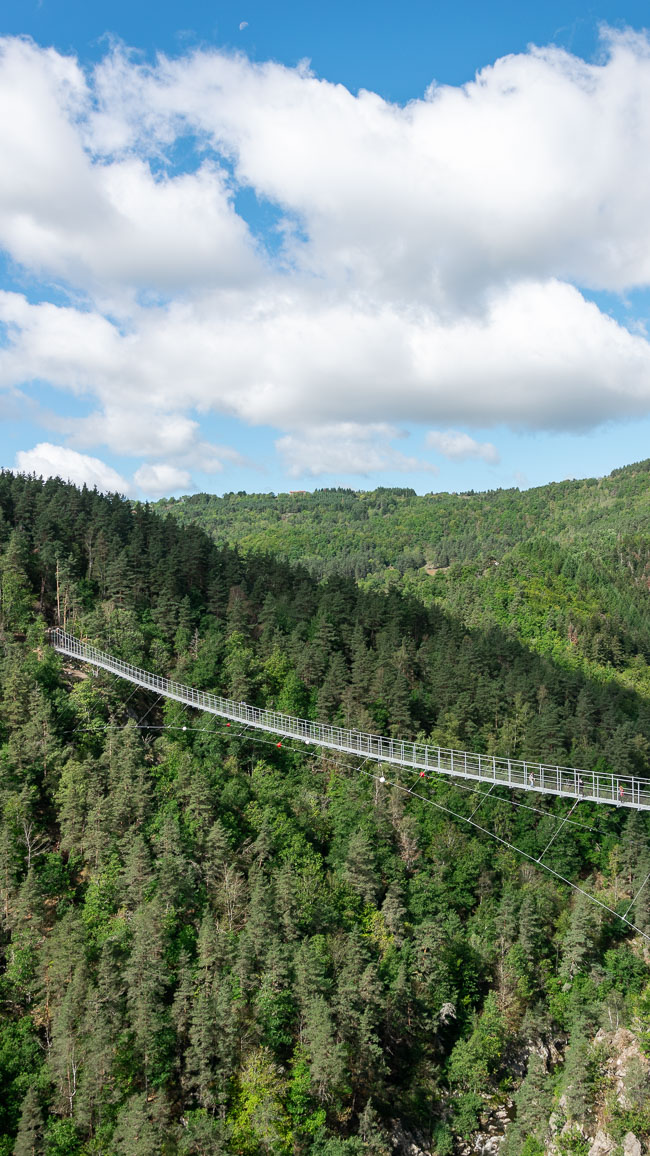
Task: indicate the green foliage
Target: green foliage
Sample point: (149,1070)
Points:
(307,1117)
(531,1147)
(476,1060)
(62,1138)
(572,1143)
(20,1060)
(466,1113)
(259,1120)
(211,945)
(533,1104)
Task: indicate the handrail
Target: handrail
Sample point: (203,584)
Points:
(522,774)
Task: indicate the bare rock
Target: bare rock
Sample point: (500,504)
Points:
(602,1145)
(554,1122)
(624,1050)
(631,1145)
(447,1013)
(482,1144)
(406,1143)
(494,1123)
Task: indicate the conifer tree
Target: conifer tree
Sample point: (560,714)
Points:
(360,871)
(16,595)
(578,944)
(533,1104)
(29,1141)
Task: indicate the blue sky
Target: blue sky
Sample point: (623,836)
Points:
(222,270)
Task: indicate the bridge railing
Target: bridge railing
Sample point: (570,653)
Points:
(624,790)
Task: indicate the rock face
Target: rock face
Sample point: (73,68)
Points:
(623,1048)
(483,1145)
(488,1141)
(406,1143)
(622,1051)
(602,1145)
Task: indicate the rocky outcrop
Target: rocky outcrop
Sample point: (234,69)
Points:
(602,1145)
(492,1134)
(408,1143)
(620,1055)
(631,1145)
(623,1051)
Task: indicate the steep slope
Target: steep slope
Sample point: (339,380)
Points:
(565,566)
(358,533)
(212,945)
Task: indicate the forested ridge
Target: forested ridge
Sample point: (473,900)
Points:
(215,945)
(566,566)
(367,530)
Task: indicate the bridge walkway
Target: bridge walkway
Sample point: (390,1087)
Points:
(520,774)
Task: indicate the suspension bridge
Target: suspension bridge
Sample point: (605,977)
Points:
(492,770)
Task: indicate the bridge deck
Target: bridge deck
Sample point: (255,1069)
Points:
(521,774)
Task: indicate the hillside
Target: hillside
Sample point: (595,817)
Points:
(566,566)
(212,945)
(361,532)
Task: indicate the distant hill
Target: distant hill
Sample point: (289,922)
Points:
(566,567)
(358,533)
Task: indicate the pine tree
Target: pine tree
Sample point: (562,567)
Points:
(579,1079)
(641,885)
(374,1139)
(326,1058)
(360,871)
(143,1126)
(533,1102)
(137,872)
(332,687)
(578,945)
(532,930)
(16,595)
(394,912)
(29,1141)
(146,982)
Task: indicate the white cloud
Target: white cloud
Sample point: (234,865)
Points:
(346,448)
(135,430)
(428,264)
(541,357)
(157,480)
(460,446)
(537,168)
(96,222)
(50,461)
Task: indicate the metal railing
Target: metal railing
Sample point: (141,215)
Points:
(522,774)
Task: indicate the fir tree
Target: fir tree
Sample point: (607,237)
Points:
(29,1141)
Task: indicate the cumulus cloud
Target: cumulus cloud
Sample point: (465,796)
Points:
(50,461)
(346,448)
(428,264)
(115,223)
(159,479)
(459,446)
(501,177)
(136,430)
(540,357)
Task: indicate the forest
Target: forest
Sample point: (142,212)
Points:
(565,566)
(214,945)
